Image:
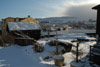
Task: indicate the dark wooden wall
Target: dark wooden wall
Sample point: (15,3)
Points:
(0,32)
(98,22)
(36,34)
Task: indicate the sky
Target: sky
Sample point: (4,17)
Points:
(48,8)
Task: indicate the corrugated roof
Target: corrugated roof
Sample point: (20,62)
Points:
(23,26)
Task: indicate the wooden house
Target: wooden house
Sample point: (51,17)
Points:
(12,19)
(98,19)
(96,49)
(4,23)
(30,29)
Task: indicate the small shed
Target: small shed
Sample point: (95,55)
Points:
(30,29)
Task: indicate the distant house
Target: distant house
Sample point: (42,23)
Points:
(4,23)
(12,19)
(30,29)
(45,25)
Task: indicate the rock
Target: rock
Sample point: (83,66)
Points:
(76,64)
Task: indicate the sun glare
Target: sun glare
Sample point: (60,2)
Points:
(95,1)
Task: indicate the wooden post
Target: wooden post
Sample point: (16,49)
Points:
(56,44)
(48,33)
(77,51)
(48,30)
(90,52)
(97,38)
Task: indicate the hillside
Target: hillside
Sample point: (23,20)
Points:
(60,19)
(73,22)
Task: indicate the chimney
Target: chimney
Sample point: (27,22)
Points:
(28,16)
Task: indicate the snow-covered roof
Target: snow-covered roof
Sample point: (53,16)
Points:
(23,26)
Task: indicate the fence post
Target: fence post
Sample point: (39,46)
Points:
(90,53)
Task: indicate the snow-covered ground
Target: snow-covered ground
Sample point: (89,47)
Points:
(18,56)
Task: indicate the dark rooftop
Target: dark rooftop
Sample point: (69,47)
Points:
(96,7)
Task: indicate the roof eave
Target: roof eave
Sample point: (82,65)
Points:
(96,7)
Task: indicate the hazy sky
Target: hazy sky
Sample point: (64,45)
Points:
(48,8)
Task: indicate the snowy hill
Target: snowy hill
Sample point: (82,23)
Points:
(60,19)
(72,22)
(63,20)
